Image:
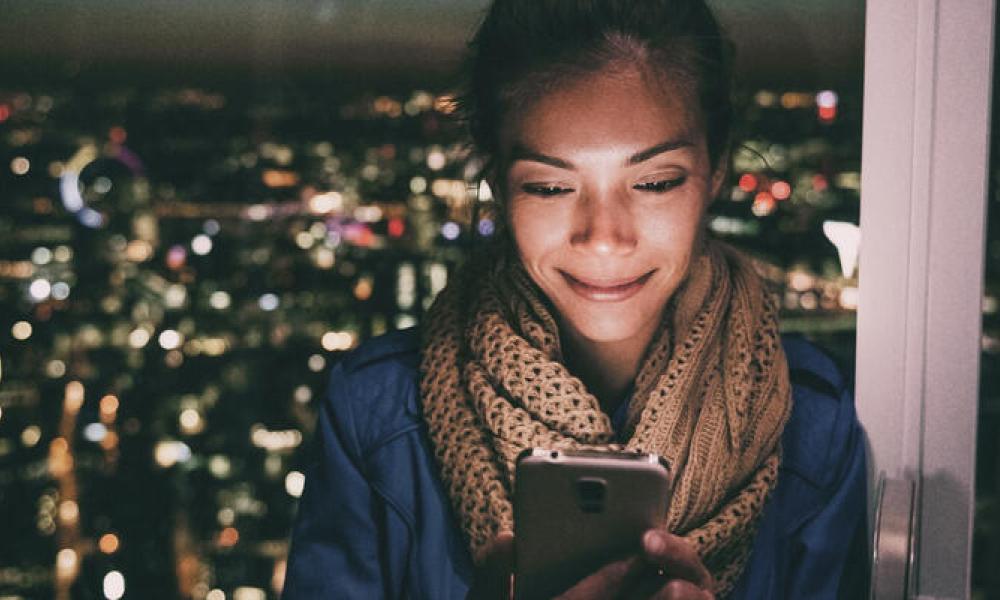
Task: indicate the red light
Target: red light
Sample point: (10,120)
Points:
(396,227)
(748,182)
(4,112)
(827,113)
(819,183)
(763,204)
(781,190)
(117,135)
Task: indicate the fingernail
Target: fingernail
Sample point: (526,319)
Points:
(653,542)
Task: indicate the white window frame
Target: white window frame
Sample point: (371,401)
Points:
(925,160)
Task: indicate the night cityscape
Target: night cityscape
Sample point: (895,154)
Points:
(181,265)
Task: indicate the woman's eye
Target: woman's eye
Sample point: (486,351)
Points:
(659,186)
(545,190)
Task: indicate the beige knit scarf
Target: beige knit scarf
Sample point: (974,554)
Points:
(712,397)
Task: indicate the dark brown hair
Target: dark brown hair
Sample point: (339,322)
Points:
(523,47)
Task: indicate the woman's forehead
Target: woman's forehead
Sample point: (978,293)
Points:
(598,111)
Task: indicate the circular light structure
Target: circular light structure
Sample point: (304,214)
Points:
(87,168)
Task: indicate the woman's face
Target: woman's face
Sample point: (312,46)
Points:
(607,183)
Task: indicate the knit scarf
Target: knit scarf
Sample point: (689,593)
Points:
(712,396)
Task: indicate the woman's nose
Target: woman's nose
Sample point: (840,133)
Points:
(604,224)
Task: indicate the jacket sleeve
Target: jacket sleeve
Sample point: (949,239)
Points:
(829,550)
(334,549)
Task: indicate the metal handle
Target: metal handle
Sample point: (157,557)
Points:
(894,542)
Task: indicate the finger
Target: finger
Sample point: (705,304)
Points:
(499,561)
(492,578)
(606,582)
(675,557)
(680,589)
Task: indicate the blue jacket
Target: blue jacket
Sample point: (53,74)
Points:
(374,521)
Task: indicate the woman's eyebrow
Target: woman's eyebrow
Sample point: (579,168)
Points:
(522,152)
(660,148)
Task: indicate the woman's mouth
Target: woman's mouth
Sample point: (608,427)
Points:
(606,291)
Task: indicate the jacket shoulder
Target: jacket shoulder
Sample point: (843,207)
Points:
(402,345)
(373,391)
(823,426)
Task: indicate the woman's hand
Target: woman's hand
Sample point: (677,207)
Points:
(668,569)
(492,580)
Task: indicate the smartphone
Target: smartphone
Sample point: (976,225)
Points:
(575,511)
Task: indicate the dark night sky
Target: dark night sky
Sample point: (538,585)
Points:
(815,43)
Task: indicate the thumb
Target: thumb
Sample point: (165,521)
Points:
(492,578)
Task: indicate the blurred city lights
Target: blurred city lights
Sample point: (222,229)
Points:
(219,300)
(781,190)
(102,185)
(483,191)
(302,394)
(60,290)
(229,536)
(69,511)
(66,563)
(201,244)
(55,368)
(763,204)
(324,258)
(849,298)
(41,255)
(215,594)
(404,321)
(317,363)
(175,296)
(219,466)
(21,330)
(211,227)
(294,483)
(176,256)
(304,240)
(190,421)
(138,338)
(62,254)
(337,340)
(114,585)
(451,230)
(249,593)
(95,432)
(74,394)
(406,286)
(268,302)
(31,435)
(363,288)
(765,99)
(847,238)
(748,183)
(275,440)
(321,204)
(396,227)
(170,452)
(418,185)
(40,289)
(170,339)
(20,165)
(108,544)
(486,227)
(436,160)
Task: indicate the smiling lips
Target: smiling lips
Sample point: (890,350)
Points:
(613,291)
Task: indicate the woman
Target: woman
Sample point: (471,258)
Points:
(604,318)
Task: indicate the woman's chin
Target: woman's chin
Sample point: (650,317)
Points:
(608,329)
